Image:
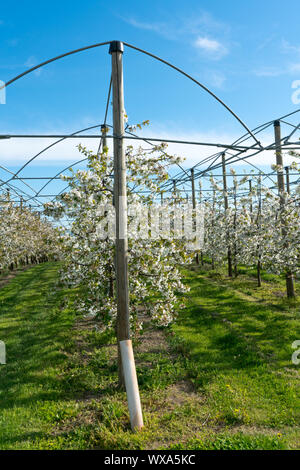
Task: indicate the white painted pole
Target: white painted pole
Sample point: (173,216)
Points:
(131,384)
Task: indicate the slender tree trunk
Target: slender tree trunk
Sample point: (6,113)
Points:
(290,288)
(259,273)
(290,285)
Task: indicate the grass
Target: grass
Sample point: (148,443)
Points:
(221,378)
(240,351)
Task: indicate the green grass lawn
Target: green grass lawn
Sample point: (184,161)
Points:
(221,378)
(239,338)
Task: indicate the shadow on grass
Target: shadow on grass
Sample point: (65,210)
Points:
(223,332)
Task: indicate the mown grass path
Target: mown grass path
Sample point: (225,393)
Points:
(221,378)
(239,340)
(34,336)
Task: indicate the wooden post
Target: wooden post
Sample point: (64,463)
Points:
(259,227)
(226,208)
(287,173)
(104,130)
(234,224)
(104,139)
(174,187)
(120,200)
(250,191)
(279,160)
(290,288)
(200,202)
(127,372)
(194,207)
(213,222)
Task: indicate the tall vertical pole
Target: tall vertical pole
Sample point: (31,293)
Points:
(290,288)
(279,160)
(226,208)
(259,227)
(213,223)
(103,143)
(127,372)
(104,140)
(120,198)
(174,186)
(194,207)
(234,225)
(287,173)
(193,188)
(250,192)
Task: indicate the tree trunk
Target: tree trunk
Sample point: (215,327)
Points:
(290,286)
(258,273)
(229,263)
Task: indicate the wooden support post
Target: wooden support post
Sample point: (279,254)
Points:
(174,186)
(250,191)
(226,208)
(279,160)
(127,372)
(213,223)
(259,227)
(194,207)
(120,200)
(290,288)
(104,131)
(287,173)
(104,139)
(235,227)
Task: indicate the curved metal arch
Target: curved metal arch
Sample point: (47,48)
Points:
(61,56)
(48,147)
(58,174)
(82,130)
(84,159)
(241,139)
(197,83)
(150,55)
(215,156)
(18,179)
(18,192)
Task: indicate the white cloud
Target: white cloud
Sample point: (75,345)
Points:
(211,47)
(269,72)
(287,47)
(295,68)
(17,151)
(274,71)
(266,42)
(31,62)
(189,29)
(213,78)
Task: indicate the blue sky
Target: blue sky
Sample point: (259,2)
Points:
(248,53)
